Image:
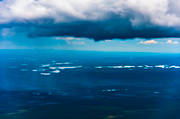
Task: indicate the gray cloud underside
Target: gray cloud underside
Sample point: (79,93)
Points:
(110,28)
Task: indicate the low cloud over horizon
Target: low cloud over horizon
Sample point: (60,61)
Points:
(99,20)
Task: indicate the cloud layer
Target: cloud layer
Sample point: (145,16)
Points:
(100,19)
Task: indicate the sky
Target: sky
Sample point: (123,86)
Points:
(101,25)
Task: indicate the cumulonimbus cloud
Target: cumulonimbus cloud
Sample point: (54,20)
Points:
(98,19)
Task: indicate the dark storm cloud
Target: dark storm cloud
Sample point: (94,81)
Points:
(107,29)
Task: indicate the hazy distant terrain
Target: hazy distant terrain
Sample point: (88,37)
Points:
(98,85)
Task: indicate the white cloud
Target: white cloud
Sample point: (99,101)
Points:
(68,38)
(172,42)
(107,40)
(148,42)
(159,12)
(72,40)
